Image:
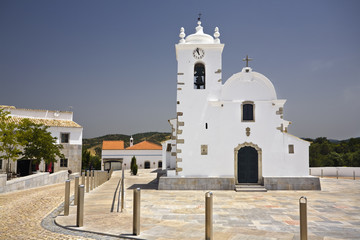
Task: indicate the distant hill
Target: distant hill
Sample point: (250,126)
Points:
(155,137)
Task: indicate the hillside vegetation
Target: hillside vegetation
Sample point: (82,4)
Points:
(324,152)
(94,144)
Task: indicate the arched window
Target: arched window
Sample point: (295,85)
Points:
(147,165)
(248,111)
(199,76)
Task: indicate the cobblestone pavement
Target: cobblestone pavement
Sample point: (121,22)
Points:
(21,213)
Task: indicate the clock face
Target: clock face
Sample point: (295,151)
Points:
(198,53)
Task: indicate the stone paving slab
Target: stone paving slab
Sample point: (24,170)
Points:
(333,213)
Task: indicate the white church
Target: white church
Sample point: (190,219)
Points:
(231,135)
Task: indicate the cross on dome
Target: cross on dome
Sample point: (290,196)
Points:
(247,59)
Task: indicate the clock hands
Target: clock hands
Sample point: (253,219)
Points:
(197,50)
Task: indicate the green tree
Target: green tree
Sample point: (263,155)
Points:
(37,142)
(85,159)
(133,166)
(336,159)
(9,144)
(89,161)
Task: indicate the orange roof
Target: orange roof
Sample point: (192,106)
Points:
(145,145)
(113,145)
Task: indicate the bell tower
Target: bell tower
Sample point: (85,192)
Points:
(199,81)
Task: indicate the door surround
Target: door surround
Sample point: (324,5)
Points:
(259,152)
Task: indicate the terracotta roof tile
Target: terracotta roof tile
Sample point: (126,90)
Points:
(47,122)
(113,145)
(145,145)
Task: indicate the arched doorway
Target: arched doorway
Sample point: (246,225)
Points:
(248,163)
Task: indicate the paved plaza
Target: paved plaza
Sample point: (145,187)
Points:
(333,213)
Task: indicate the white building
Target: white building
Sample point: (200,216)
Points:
(61,126)
(229,134)
(114,155)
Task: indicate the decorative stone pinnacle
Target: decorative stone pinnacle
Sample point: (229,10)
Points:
(182,35)
(216,33)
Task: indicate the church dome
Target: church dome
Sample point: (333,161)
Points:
(248,85)
(199,36)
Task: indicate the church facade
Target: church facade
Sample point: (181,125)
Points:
(229,134)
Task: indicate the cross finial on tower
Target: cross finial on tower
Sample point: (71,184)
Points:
(247,59)
(199,17)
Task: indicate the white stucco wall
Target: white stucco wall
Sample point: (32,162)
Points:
(75,134)
(222,113)
(141,157)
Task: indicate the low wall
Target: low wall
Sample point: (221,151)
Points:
(292,183)
(331,171)
(196,183)
(31,181)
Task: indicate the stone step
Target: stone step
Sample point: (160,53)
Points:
(249,188)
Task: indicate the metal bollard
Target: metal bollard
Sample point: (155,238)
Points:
(122,190)
(303,219)
(87,181)
(208,216)
(322,173)
(76,190)
(80,207)
(136,212)
(67,198)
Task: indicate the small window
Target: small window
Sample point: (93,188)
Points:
(147,165)
(248,111)
(65,137)
(206,126)
(291,148)
(160,164)
(1,163)
(199,76)
(63,162)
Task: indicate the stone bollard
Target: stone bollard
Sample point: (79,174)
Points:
(310,171)
(337,174)
(322,173)
(136,212)
(354,175)
(303,219)
(83,178)
(208,216)
(122,189)
(91,180)
(94,183)
(87,181)
(76,190)
(96,179)
(67,198)
(80,207)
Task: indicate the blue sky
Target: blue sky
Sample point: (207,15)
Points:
(114,61)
